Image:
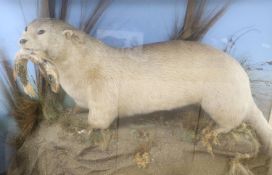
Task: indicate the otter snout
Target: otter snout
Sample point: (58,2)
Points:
(23,41)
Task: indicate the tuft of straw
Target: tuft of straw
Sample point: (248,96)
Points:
(26,111)
(98,12)
(44,9)
(47,9)
(52,8)
(237,168)
(196,25)
(64,8)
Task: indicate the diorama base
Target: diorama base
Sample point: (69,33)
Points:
(162,143)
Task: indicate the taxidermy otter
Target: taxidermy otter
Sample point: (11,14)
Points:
(111,82)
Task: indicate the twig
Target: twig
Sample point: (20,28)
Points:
(99,10)
(235,37)
(64,7)
(44,9)
(52,8)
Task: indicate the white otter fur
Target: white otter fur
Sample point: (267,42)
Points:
(163,76)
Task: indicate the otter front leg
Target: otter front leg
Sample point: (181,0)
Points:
(101,117)
(103,109)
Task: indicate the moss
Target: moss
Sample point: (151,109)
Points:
(84,134)
(142,160)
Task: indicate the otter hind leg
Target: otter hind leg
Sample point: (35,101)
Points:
(209,136)
(226,114)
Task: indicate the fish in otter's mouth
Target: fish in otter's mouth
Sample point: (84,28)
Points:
(47,68)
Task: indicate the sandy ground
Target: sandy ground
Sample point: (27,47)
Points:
(162,143)
(261,84)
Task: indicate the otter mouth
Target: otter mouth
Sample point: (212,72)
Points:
(45,65)
(30,50)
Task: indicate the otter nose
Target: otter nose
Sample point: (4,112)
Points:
(23,41)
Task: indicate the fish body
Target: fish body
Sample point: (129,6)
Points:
(47,69)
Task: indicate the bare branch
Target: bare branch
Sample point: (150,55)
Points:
(64,7)
(52,8)
(44,9)
(99,10)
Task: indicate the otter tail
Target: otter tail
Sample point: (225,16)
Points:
(263,129)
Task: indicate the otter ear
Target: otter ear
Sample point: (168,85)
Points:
(70,35)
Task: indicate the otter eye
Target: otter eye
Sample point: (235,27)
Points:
(25,28)
(50,78)
(41,32)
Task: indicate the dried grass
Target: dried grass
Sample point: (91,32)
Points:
(47,9)
(26,111)
(236,166)
(98,12)
(196,25)
(63,10)
(43,7)
(142,160)
(52,6)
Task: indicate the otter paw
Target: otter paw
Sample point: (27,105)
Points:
(98,123)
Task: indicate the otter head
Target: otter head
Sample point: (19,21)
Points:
(48,36)
(46,42)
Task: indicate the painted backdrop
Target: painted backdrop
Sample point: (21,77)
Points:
(128,23)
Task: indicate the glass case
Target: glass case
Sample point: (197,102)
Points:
(136,87)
